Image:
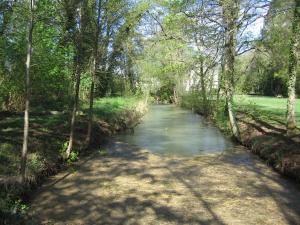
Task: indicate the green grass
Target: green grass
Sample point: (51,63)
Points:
(269,109)
(109,108)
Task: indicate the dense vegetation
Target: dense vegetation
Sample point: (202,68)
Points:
(58,56)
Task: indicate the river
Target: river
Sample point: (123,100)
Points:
(167,129)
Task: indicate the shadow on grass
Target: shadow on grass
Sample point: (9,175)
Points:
(46,135)
(272,118)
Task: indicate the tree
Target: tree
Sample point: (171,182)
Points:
(27,93)
(293,65)
(77,75)
(98,4)
(230,10)
(266,73)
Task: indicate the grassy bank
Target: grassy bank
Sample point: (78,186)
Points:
(117,111)
(271,110)
(262,125)
(262,122)
(48,140)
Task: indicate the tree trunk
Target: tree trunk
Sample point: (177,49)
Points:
(203,88)
(230,13)
(175,97)
(291,120)
(91,108)
(77,88)
(75,107)
(95,65)
(27,96)
(220,79)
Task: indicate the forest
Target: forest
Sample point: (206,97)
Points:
(73,73)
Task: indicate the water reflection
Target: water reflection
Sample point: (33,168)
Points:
(167,129)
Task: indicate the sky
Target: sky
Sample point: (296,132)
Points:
(256,28)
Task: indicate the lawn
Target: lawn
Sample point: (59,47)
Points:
(268,109)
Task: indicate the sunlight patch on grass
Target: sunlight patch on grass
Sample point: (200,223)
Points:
(269,109)
(110,107)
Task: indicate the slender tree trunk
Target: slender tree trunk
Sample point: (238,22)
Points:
(230,14)
(27,96)
(130,75)
(77,88)
(203,88)
(293,65)
(175,96)
(220,79)
(91,109)
(75,108)
(95,65)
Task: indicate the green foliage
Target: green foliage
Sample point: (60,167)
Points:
(35,162)
(63,149)
(110,108)
(86,80)
(55,46)
(266,73)
(165,93)
(192,101)
(163,67)
(20,206)
(220,117)
(12,211)
(214,110)
(73,156)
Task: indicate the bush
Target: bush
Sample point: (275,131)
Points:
(195,102)
(73,156)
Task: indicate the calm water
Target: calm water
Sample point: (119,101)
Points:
(167,129)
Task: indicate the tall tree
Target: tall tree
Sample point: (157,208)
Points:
(98,4)
(293,65)
(77,75)
(27,92)
(230,12)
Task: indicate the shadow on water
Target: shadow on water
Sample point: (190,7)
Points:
(132,186)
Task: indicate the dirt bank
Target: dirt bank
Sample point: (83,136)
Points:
(271,144)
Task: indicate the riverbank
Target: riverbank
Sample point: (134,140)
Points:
(262,131)
(262,124)
(271,144)
(48,139)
